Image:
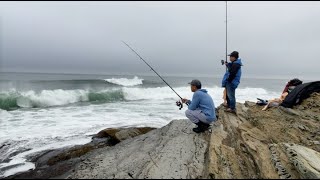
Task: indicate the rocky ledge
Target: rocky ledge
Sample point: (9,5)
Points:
(277,143)
(55,163)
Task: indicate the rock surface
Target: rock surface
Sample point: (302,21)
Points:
(55,163)
(305,160)
(173,151)
(254,144)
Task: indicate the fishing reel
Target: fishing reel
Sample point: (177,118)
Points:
(223,62)
(180,104)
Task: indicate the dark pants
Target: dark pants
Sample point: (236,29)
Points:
(231,97)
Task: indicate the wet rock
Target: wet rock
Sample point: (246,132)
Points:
(9,167)
(119,135)
(6,154)
(55,163)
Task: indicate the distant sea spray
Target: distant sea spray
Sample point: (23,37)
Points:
(125,82)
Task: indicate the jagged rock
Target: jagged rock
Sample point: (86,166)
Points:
(121,134)
(289,111)
(55,163)
(250,148)
(173,151)
(303,128)
(316,142)
(249,104)
(305,160)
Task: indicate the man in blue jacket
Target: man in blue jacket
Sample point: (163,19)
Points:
(231,80)
(201,109)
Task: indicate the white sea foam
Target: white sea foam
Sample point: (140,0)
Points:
(4,114)
(160,93)
(59,97)
(20,160)
(47,98)
(125,82)
(19,168)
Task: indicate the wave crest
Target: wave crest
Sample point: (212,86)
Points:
(125,82)
(58,97)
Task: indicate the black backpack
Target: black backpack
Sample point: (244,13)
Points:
(295,82)
(299,93)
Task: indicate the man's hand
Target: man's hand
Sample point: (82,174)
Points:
(184,100)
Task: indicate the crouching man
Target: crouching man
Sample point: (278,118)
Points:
(201,109)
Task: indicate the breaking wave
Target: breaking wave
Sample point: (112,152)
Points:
(125,82)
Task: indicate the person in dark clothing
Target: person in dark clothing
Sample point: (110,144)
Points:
(231,80)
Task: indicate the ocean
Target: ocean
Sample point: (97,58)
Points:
(46,111)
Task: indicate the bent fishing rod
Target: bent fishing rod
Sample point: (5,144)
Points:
(178,103)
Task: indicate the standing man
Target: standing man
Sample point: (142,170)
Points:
(231,80)
(201,109)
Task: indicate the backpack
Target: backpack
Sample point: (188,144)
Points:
(301,92)
(293,82)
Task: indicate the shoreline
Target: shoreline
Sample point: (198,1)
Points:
(55,163)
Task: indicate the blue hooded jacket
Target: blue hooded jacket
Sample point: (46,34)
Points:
(203,101)
(233,74)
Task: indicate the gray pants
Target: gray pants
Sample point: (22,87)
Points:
(196,115)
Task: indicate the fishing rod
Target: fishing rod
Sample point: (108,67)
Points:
(178,103)
(226,32)
(222,61)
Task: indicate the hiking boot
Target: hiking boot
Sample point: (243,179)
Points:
(201,127)
(231,111)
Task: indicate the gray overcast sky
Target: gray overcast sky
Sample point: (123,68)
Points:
(273,38)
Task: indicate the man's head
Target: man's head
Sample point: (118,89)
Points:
(234,56)
(195,85)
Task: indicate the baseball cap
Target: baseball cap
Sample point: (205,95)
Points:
(234,54)
(195,82)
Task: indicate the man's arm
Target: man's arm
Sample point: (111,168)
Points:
(195,102)
(228,64)
(233,71)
